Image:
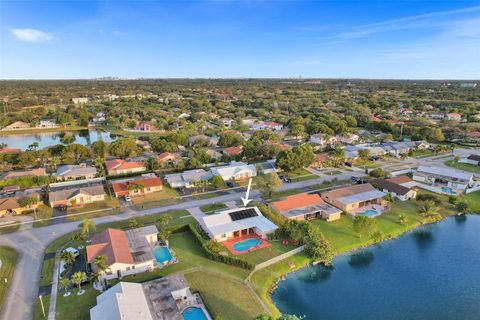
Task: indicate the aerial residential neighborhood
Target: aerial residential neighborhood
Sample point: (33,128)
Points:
(239,160)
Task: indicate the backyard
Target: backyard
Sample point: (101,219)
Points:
(463,166)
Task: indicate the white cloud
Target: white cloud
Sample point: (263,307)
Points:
(116,33)
(32,35)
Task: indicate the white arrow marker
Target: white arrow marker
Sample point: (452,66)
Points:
(246,200)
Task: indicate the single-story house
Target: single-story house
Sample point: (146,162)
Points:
(323,140)
(268,167)
(11,204)
(169,157)
(76,196)
(47,123)
(397,190)
(357,199)
(215,155)
(17,125)
(127,252)
(144,126)
(321,160)
(348,139)
(471,159)
(7,150)
(146,185)
(37,172)
(75,172)
(454,116)
(306,206)
(232,151)
(235,223)
(160,299)
(119,166)
(235,171)
(187,179)
(439,176)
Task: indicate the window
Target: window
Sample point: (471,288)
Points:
(133,267)
(128,268)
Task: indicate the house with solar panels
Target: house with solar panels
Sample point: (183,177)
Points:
(236,223)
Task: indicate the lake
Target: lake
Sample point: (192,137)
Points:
(430,273)
(47,139)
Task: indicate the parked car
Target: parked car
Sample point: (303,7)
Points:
(354,179)
(230,184)
(127,198)
(348,164)
(73,251)
(62,207)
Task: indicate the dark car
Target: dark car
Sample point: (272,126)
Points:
(348,164)
(230,184)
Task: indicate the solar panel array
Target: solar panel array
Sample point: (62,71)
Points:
(243,214)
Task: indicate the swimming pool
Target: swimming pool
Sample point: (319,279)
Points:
(369,213)
(162,254)
(246,244)
(193,313)
(448,190)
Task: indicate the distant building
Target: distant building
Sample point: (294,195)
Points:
(148,185)
(322,140)
(187,179)
(232,151)
(80,100)
(454,116)
(144,126)
(169,158)
(37,172)
(75,172)
(17,125)
(119,166)
(442,176)
(47,124)
(235,171)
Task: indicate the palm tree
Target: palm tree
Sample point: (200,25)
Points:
(78,278)
(100,263)
(67,257)
(427,209)
(64,283)
(54,162)
(99,164)
(28,202)
(87,226)
(402,219)
(136,187)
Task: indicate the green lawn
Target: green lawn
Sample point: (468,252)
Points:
(43,212)
(11,227)
(362,163)
(210,208)
(281,194)
(225,298)
(300,175)
(38,315)
(46,276)
(260,255)
(344,238)
(165,197)
(473,200)
(463,166)
(108,203)
(332,173)
(8,256)
(76,307)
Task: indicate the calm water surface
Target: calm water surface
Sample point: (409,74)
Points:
(47,139)
(432,273)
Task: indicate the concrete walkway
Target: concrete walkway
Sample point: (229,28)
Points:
(53,295)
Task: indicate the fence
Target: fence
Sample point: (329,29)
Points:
(278,258)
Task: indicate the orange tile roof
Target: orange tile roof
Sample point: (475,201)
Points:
(297,201)
(168,155)
(119,164)
(400,179)
(147,182)
(10,150)
(233,150)
(113,244)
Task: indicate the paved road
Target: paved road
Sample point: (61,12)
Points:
(31,243)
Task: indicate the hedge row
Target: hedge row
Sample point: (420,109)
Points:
(202,238)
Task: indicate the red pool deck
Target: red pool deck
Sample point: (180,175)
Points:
(229,243)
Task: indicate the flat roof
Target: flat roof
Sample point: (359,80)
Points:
(323,208)
(445,172)
(360,197)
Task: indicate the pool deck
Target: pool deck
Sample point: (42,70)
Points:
(229,244)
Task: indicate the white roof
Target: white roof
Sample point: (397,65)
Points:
(234,168)
(124,301)
(221,222)
(363,196)
(446,172)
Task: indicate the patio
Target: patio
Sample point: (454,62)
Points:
(230,242)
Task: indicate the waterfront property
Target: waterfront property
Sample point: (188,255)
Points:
(443,177)
(75,172)
(235,171)
(127,252)
(167,298)
(236,223)
(357,199)
(188,178)
(137,186)
(395,187)
(306,206)
(119,166)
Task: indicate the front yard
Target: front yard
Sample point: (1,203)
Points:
(212,207)
(8,258)
(165,197)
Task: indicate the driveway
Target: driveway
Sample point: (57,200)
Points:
(56,212)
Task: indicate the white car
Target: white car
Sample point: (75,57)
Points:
(127,198)
(72,250)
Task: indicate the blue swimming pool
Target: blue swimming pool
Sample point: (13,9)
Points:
(193,313)
(162,254)
(369,213)
(448,190)
(246,244)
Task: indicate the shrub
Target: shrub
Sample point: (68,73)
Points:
(378,173)
(429,197)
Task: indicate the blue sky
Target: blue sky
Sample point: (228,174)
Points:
(159,39)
